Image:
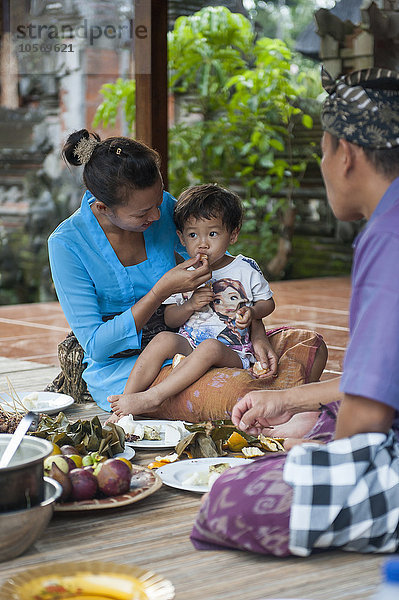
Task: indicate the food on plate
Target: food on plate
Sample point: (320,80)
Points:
(160,461)
(84,435)
(32,402)
(252,452)
(57,459)
(85,585)
(89,480)
(206,478)
(216,438)
(84,484)
(113,477)
(236,442)
(68,449)
(135,431)
(63,479)
(271,444)
(138,431)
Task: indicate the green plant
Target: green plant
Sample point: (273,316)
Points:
(240,103)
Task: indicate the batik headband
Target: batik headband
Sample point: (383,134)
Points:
(84,149)
(363,107)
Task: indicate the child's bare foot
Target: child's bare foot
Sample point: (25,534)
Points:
(135,404)
(112,419)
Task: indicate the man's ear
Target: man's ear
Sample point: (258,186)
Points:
(181,238)
(234,235)
(348,152)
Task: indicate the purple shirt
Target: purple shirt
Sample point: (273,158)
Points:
(371,366)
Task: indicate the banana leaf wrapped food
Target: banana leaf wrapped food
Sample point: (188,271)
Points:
(85,435)
(216,438)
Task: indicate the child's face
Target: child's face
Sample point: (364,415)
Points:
(207,236)
(227,302)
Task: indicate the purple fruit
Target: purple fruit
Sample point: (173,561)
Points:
(63,479)
(68,449)
(113,477)
(89,468)
(84,484)
(70,463)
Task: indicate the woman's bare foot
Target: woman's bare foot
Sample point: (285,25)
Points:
(135,404)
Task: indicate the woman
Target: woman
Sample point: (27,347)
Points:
(113,261)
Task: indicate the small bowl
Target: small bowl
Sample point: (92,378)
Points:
(21,483)
(19,529)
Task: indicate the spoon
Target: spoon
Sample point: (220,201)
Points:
(24,425)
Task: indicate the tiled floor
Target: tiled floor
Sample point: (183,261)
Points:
(31,332)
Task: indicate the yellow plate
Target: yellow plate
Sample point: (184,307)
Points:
(91,580)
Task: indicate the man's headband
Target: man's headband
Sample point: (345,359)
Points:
(363,107)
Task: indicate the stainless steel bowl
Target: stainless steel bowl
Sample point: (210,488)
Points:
(19,529)
(21,483)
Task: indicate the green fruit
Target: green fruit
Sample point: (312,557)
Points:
(58,460)
(87,461)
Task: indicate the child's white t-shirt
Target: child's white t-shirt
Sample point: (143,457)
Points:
(239,283)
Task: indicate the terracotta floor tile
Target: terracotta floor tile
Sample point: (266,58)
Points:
(32,331)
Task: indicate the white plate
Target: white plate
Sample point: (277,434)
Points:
(175,473)
(178,426)
(128,453)
(45,402)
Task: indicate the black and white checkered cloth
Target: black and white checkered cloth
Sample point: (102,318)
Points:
(346,494)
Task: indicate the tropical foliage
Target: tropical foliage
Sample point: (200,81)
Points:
(239,103)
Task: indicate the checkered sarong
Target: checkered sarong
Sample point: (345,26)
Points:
(345,494)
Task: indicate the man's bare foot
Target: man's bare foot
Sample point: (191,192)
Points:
(134,404)
(291,442)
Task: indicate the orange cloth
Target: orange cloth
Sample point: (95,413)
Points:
(215,393)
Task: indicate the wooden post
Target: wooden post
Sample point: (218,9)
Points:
(150,56)
(8,63)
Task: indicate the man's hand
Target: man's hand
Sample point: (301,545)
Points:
(259,411)
(244,316)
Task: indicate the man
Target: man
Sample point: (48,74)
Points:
(345,493)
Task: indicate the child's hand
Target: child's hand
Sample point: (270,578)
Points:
(268,360)
(200,298)
(244,317)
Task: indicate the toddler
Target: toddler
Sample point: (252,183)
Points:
(214,321)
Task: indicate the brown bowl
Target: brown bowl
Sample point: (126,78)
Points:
(19,529)
(21,483)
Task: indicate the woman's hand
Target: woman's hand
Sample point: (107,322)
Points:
(260,411)
(182,279)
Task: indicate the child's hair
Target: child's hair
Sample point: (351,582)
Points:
(112,167)
(208,201)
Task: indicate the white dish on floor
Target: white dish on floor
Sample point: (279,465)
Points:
(41,402)
(177,431)
(174,474)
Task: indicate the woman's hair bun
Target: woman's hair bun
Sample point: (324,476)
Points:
(72,150)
